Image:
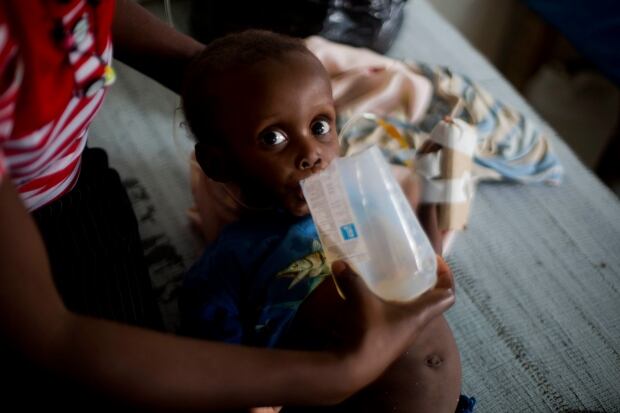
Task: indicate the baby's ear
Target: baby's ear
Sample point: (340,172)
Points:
(214,162)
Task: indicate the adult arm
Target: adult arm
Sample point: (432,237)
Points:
(151,46)
(159,371)
(136,365)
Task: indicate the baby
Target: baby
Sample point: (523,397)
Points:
(261,108)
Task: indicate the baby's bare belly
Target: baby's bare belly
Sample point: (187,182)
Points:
(427,378)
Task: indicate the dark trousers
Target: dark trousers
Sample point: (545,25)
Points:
(92,240)
(94,248)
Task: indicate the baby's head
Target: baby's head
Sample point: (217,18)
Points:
(261,107)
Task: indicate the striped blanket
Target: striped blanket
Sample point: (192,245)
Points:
(413,97)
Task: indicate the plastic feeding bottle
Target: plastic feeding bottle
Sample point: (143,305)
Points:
(363,217)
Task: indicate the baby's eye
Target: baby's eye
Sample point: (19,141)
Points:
(320,127)
(272,138)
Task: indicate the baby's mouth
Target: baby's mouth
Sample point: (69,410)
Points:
(300,194)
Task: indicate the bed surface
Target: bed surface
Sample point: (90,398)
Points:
(537,317)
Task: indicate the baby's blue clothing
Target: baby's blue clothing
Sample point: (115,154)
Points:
(247,286)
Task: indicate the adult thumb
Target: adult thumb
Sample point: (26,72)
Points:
(348,283)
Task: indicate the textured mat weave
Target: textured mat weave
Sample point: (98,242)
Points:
(537,317)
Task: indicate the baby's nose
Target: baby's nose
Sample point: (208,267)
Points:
(310,162)
(310,156)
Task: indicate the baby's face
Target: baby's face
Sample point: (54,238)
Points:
(279,120)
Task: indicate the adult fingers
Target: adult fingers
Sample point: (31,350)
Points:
(349,284)
(445,279)
(436,300)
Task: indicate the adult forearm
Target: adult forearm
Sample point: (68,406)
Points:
(138,366)
(151,46)
(157,371)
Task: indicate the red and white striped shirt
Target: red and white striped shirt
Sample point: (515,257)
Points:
(53,58)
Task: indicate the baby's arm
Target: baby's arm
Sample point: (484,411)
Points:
(406,178)
(426,213)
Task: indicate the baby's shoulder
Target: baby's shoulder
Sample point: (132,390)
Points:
(249,239)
